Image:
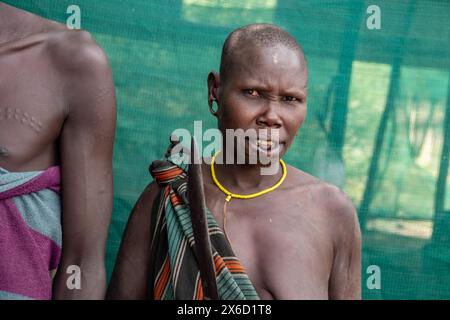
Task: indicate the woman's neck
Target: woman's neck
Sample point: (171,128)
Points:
(245,178)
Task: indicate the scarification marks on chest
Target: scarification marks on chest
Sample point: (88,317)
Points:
(21,117)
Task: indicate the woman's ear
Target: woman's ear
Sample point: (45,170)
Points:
(213,91)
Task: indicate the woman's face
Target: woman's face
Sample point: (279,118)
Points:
(266,88)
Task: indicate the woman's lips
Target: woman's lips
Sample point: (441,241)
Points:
(268,147)
(267,144)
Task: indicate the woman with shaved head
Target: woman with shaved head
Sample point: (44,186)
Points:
(285,235)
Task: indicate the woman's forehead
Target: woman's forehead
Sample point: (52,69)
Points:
(268,65)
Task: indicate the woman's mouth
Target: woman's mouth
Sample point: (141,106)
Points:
(267,147)
(266,144)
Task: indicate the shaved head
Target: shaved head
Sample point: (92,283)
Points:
(261,35)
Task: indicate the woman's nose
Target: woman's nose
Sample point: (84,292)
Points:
(269,116)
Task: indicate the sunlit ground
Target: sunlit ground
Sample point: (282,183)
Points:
(406,228)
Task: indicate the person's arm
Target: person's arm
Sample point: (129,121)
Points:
(131,272)
(86,146)
(345,278)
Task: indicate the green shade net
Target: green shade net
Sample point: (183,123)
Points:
(378,111)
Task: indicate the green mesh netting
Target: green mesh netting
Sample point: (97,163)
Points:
(378,123)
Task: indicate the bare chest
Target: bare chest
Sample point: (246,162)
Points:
(284,245)
(31,105)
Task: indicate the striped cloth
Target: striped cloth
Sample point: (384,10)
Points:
(30,233)
(174,273)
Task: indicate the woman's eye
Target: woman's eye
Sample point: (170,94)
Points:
(290,98)
(251,92)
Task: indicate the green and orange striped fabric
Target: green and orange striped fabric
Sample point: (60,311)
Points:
(174,267)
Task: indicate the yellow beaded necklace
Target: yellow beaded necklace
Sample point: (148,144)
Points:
(231,195)
(247,196)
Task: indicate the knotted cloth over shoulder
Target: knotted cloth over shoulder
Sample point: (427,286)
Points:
(174,271)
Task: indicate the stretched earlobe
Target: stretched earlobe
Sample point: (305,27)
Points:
(211,107)
(213,84)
